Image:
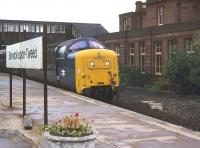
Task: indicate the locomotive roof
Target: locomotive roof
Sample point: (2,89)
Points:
(75,45)
(72,41)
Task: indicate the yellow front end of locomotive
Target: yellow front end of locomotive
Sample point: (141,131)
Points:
(96,67)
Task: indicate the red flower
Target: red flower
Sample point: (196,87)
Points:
(76,115)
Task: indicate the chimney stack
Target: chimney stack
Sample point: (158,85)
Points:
(138,5)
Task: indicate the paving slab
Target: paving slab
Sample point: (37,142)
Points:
(115,127)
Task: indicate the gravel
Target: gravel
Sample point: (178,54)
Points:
(163,105)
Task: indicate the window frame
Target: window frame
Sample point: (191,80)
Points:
(131,54)
(108,46)
(142,56)
(75,32)
(158,54)
(186,44)
(160,15)
(125,24)
(117,49)
(172,46)
(5,27)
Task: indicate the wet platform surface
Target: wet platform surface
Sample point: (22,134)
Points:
(115,127)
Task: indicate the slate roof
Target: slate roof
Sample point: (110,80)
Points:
(90,30)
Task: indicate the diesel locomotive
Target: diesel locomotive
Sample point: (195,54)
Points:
(84,66)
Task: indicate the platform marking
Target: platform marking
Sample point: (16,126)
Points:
(163,139)
(73,95)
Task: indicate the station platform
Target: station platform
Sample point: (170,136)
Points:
(115,127)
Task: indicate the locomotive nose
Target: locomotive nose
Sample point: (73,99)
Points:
(97,69)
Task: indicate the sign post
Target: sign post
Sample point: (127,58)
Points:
(45,74)
(24,82)
(24,92)
(10,88)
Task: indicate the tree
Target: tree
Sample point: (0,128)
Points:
(183,69)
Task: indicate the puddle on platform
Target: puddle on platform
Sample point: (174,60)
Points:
(14,139)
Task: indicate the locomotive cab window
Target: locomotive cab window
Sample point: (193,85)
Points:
(78,45)
(96,45)
(61,52)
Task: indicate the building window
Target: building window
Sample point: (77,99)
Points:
(160,15)
(53,28)
(117,49)
(41,28)
(172,47)
(131,54)
(37,28)
(16,27)
(75,33)
(5,27)
(29,27)
(10,27)
(62,29)
(57,28)
(158,60)
(21,27)
(189,45)
(33,27)
(108,46)
(48,28)
(142,56)
(125,24)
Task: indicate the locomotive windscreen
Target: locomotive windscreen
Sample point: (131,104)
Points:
(85,43)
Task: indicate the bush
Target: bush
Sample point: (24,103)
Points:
(133,77)
(183,70)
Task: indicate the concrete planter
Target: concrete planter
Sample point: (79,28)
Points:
(70,142)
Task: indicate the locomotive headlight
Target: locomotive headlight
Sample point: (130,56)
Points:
(92,63)
(107,63)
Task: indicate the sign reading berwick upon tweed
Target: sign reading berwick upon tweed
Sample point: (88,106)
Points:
(27,54)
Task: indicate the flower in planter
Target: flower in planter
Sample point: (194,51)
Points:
(70,126)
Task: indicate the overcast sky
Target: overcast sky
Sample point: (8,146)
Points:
(105,12)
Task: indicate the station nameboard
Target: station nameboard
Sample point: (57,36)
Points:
(27,54)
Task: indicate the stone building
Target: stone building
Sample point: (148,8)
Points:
(146,35)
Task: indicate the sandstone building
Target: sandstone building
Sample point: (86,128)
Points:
(146,35)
